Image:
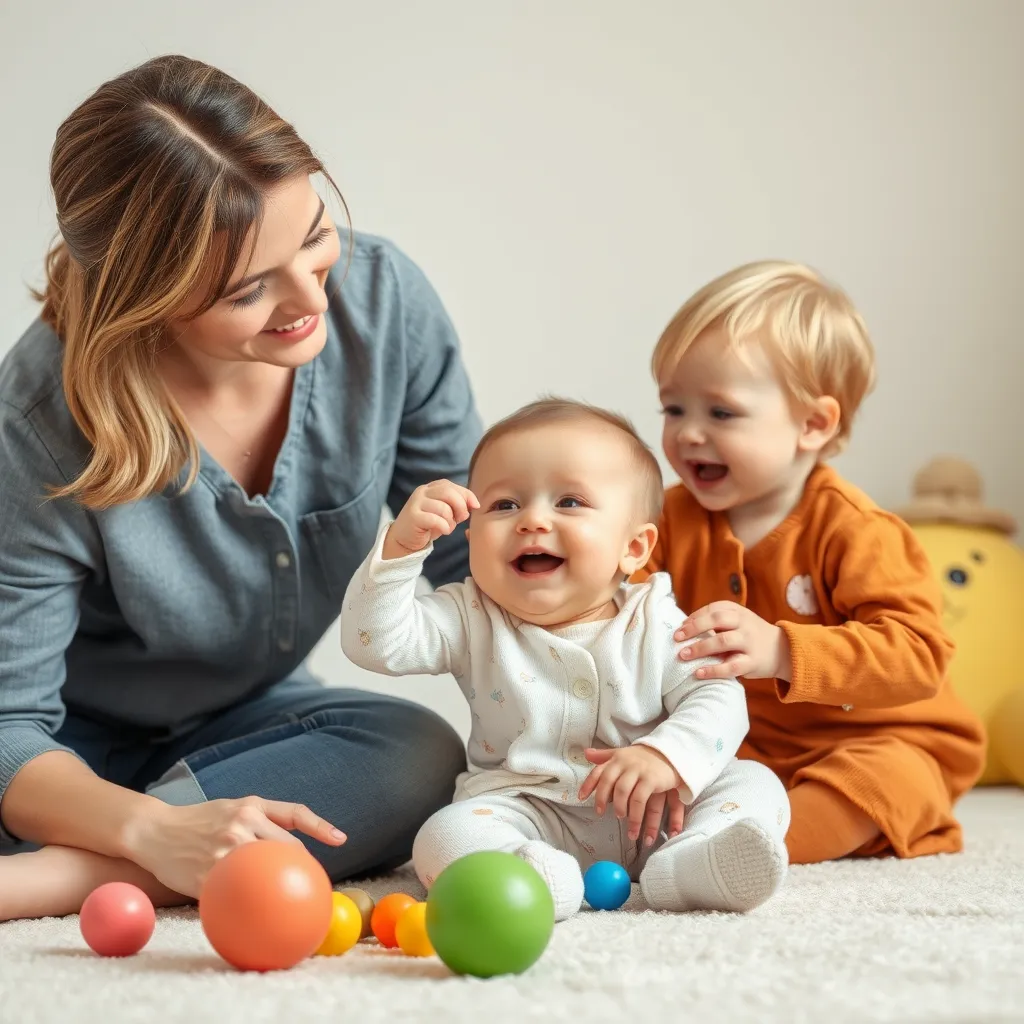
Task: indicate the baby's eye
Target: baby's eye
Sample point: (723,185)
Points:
(672,410)
(721,414)
(504,505)
(570,502)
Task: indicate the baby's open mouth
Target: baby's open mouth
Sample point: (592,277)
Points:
(709,472)
(536,563)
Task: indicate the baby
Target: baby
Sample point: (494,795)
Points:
(579,700)
(824,604)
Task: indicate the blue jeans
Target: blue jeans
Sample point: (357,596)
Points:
(374,766)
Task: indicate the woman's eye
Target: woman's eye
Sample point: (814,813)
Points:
(251,299)
(319,238)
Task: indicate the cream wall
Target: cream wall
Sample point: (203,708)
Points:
(566,172)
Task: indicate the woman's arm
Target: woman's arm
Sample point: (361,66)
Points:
(440,424)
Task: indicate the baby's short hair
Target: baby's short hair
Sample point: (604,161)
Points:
(811,330)
(552,409)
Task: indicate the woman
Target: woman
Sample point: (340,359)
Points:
(196,442)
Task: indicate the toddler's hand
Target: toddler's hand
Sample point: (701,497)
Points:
(747,644)
(433,510)
(638,781)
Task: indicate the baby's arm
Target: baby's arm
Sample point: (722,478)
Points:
(385,626)
(707,718)
(893,649)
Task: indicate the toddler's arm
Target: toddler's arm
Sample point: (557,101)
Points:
(892,649)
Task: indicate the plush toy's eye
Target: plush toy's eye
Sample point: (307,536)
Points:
(977,556)
(958,577)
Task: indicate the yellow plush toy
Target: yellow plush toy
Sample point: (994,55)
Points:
(981,573)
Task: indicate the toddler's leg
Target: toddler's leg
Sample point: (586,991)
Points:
(508,824)
(731,854)
(826,826)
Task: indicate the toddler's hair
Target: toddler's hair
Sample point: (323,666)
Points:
(552,409)
(810,328)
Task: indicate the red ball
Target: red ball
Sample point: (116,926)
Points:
(266,905)
(117,919)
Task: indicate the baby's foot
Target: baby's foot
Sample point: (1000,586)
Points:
(736,869)
(560,871)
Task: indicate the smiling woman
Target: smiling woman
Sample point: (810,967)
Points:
(197,437)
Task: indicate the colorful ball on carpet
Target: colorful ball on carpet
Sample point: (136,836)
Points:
(386,914)
(345,928)
(117,919)
(489,913)
(411,931)
(606,885)
(266,905)
(365,904)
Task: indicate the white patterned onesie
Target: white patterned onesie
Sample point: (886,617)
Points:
(539,698)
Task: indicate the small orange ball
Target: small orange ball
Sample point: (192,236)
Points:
(385,916)
(345,929)
(411,931)
(266,905)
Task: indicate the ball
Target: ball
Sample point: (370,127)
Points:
(606,885)
(266,905)
(489,913)
(411,931)
(117,919)
(365,904)
(386,914)
(345,927)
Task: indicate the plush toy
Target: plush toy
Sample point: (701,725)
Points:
(981,572)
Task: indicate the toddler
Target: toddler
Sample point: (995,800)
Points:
(579,702)
(822,602)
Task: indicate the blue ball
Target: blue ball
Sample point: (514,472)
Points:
(606,885)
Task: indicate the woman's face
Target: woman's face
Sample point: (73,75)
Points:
(273,309)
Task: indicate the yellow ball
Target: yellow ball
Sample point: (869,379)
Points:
(411,931)
(346,927)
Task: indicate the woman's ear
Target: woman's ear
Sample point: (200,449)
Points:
(820,424)
(639,549)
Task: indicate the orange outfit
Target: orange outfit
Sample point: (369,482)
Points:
(869,710)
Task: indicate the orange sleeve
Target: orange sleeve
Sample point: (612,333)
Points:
(893,649)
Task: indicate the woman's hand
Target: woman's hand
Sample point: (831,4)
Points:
(179,845)
(433,510)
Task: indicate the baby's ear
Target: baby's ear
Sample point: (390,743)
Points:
(820,424)
(639,549)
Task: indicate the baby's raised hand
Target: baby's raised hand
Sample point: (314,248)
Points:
(746,643)
(637,781)
(433,510)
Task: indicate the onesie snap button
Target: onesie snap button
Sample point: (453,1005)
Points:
(577,756)
(582,688)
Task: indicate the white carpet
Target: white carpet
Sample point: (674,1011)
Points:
(936,939)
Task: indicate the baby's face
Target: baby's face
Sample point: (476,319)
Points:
(729,430)
(558,517)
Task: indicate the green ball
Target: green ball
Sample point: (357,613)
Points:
(489,913)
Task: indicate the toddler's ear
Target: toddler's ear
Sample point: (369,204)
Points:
(820,424)
(639,549)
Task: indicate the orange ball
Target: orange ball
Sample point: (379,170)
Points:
(411,931)
(385,916)
(266,905)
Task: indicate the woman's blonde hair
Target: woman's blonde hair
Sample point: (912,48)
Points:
(810,329)
(160,180)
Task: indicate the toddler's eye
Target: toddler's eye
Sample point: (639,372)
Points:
(504,505)
(721,414)
(957,576)
(672,410)
(569,502)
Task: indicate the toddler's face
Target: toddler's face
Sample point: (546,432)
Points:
(729,429)
(558,523)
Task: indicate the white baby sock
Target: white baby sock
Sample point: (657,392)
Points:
(560,871)
(735,869)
